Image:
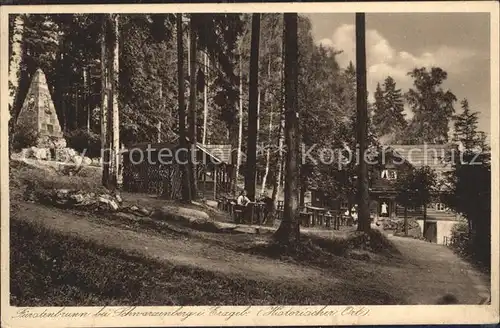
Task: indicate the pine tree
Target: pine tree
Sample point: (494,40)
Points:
(192,104)
(253,99)
(288,231)
(388,118)
(104,119)
(379,110)
(15,56)
(114,116)
(466,129)
(394,102)
(16,35)
(185,184)
(362,124)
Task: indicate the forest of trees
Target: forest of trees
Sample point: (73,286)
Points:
(117,80)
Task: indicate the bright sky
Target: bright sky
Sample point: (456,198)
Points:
(396,43)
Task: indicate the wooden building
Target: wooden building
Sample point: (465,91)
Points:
(393,161)
(155,168)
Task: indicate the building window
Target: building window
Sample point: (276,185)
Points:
(50,128)
(441,207)
(389,174)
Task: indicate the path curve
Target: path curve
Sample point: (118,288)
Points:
(435,270)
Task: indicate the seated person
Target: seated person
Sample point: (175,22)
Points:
(243,199)
(242,204)
(354,214)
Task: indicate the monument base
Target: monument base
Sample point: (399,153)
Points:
(46,141)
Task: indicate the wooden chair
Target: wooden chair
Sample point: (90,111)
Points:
(314,218)
(230,207)
(337,222)
(220,204)
(238,213)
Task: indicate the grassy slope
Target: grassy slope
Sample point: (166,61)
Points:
(50,268)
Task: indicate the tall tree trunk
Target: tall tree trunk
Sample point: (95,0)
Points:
(253,97)
(270,129)
(425,220)
(192,109)
(405,223)
(281,127)
(302,195)
(205,101)
(362,125)
(240,126)
(185,179)
(114,105)
(162,107)
(288,232)
(105,155)
(158,130)
(77,118)
(279,165)
(15,73)
(259,94)
(15,63)
(86,93)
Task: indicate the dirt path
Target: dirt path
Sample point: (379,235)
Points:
(433,270)
(178,249)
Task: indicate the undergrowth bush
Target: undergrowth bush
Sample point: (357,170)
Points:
(24,139)
(26,178)
(322,251)
(85,142)
(471,246)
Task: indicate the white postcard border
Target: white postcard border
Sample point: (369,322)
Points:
(411,314)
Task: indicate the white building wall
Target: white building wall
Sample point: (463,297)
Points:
(443,229)
(421,224)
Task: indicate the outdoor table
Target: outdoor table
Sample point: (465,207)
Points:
(320,218)
(229,207)
(337,222)
(238,213)
(349,221)
(328,219)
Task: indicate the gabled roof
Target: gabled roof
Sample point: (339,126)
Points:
(223,152)
(218,153)
(432,155)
